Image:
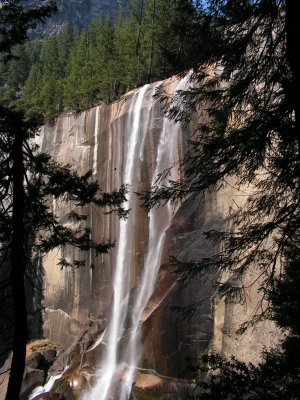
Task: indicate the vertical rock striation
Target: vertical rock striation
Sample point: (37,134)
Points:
(101,139)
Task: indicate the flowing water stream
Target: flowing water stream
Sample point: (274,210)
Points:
(109,365)
(118,365)
(122,367)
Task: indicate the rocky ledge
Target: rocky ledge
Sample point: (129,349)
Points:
(40,356)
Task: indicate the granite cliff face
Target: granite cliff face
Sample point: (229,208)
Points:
(78,12)
(130,142)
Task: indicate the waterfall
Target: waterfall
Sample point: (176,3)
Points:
(159,219)
(121,286)
(48,386)
(119,362)
(124,365)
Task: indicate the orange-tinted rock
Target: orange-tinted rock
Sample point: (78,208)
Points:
(96,139)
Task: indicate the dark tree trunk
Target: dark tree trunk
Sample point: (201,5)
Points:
(18,271)
(150,66)
(138,39)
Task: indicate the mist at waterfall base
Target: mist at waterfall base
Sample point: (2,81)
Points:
(119,362)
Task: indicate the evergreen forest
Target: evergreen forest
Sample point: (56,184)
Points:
(74,70)
(251,134)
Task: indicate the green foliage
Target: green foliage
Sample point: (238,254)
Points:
(147,395)
(250,134)
(235,380)
(277,376)
(29,180)
(43,88)
(246,78)
(78,82)
(15,21)
(31,91)
(73,71)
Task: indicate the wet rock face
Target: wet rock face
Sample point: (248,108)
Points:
(97,139)
(175,350)
(73,296)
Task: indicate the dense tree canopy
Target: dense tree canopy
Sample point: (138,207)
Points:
(246,75)
(75,70)
(246,82)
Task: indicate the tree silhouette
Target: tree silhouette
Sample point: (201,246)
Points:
(27,180)
(246,74)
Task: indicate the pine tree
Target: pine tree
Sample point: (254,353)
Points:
(51,87)
(184,39)
(31,100)
(105,61)
(18,68)
(127,68)
(65,43)
(159,15)
(27,180)
(79,88)
(247,76)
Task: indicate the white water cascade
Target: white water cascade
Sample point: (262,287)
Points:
(48,386)
(159,219)
(118,366)
(121,286)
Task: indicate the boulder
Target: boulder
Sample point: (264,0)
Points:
(33,360)
(146,381)
(32,378)
(4,376)
(49,356)
(149,386)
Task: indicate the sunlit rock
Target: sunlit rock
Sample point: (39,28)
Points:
(133,290)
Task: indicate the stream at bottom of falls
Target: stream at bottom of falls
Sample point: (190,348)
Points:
(118,365)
